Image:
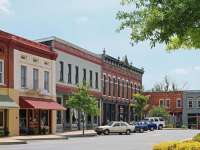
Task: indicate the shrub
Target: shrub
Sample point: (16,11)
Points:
(177,145)
(196,137)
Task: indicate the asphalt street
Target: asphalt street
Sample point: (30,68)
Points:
(135,141)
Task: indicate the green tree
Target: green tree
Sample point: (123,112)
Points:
(159,112)
(84,103)
(175,23)
(140,101)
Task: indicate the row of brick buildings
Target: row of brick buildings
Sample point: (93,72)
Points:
(37,78)
(183,106)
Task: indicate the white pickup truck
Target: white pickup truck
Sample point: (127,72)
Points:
(160,122)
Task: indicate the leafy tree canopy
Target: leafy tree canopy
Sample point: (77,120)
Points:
(173,22)
(158,112)
(83,102)
(140,101)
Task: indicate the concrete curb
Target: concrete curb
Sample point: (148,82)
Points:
(36,139)
(60,137)
(13,143)
(81,135)
(174,129)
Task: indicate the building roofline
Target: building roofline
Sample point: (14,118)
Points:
(121,62)
(41,48)
(54,38)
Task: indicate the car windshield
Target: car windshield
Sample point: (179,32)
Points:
(110,123)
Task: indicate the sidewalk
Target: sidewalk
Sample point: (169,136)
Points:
(57,136)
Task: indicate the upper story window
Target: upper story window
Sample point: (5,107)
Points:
(122,88)
(1,71)
(84,76)
(23,76)
(167,103)
(109,86)
(127,90)
(46,81)
(114,87)
(77,75)
(61,70)
(135,88)
(69,73)
(104,84)
(178,103)
(198,102)
(91,78)
(190,103)
(35,79)
(118,87)
(96,80)
(161,103)
(131,91)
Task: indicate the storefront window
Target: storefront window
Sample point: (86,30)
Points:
(59,101)
(22,118)
(44,118)
(1,119)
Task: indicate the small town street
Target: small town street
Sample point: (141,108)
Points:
(135,141)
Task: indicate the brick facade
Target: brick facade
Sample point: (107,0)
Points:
(128,80)
(174,106)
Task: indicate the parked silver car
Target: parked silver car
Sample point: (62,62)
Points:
(115,127)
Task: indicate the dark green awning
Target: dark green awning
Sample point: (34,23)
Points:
(7,102)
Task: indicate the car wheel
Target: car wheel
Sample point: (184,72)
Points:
(106,132)
(160,127)
(128,132)
(141,130)
(151,129)
(98,133)
(120,133)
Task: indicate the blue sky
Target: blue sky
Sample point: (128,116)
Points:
(91,24)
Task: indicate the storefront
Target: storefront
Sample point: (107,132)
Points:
(109,110)
(36,115)
(6,104)
(194,121)
(123,111)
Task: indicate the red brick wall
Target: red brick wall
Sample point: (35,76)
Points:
(113,71)
(154,98)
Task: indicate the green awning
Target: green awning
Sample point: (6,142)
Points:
(7,102)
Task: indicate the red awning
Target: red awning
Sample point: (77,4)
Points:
(39,103)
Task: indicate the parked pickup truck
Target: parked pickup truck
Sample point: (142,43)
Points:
(160,122)
(140,127)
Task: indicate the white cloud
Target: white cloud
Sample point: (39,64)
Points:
(4,7)
(181,71)
(81,20)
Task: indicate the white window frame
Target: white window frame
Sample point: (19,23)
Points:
(26,77)
(47,90)
(1,127)
(3,72)
(190,100)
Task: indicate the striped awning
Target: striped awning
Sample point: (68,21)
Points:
(7,102)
